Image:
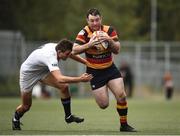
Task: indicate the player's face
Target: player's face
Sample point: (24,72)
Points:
(64,55)
(94,22)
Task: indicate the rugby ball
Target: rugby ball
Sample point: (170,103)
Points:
(102,45)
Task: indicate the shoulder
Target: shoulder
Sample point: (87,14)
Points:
(82,36)
(108,29)
(49,49)
(50,45)
(84,31)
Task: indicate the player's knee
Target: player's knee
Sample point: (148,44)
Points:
(122,94)
(64,87)
(103,105)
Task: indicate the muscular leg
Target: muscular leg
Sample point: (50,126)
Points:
(21,109)
(63,88)
(65,97)
(26,103)
(63,92)
(101,96)
(117,88)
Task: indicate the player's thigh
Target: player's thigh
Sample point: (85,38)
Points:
(117,87)
(101,95)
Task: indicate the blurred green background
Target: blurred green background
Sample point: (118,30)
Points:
(54,19)
(149,32)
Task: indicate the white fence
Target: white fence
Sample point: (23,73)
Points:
(147,62)
(150,63)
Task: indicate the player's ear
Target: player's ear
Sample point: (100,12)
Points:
(100,18)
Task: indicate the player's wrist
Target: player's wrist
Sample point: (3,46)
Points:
(87,45)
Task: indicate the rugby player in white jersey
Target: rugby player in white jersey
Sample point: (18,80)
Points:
(42,66)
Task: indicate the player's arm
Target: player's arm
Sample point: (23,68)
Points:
(67,79)
(114,46)
(78,49)
(81,45)
(112,38)
(78,58)
(114,41)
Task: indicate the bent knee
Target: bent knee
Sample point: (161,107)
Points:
(63,87)
(103,105)
(122,94)
(26,107)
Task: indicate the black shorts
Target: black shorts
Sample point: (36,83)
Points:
(102,76)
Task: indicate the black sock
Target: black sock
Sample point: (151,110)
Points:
(67,106)
(17,115)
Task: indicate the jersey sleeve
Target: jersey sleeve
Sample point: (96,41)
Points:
(113,34)
(52,62)
(81,37)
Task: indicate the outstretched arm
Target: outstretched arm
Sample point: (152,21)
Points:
(67,79)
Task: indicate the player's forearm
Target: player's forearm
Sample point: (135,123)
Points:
(78,58)
(115,47)
(67,79)
(78,49)
(64,79)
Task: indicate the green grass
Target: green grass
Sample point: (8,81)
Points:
(46,117)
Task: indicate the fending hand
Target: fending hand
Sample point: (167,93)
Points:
(85,77)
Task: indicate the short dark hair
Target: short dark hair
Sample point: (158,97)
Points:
(93,11)
(64,45)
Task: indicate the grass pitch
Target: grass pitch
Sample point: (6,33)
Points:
(46,117)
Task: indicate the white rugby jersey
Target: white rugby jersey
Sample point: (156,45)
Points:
(42,59)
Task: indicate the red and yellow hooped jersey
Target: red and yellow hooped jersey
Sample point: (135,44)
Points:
(97,59)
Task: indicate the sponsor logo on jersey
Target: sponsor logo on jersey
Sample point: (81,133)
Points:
(54,65)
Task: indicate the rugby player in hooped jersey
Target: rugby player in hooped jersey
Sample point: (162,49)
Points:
(100,65)
(42,65)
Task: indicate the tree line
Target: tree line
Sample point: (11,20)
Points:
(55,19)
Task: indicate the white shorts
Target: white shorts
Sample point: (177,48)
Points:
(28,79)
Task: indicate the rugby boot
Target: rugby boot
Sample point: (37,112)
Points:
(73,118)
(127,128)
(16,124)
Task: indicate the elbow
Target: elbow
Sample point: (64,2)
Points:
(75,51)
(116,52)
(61,80)
(118,49)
